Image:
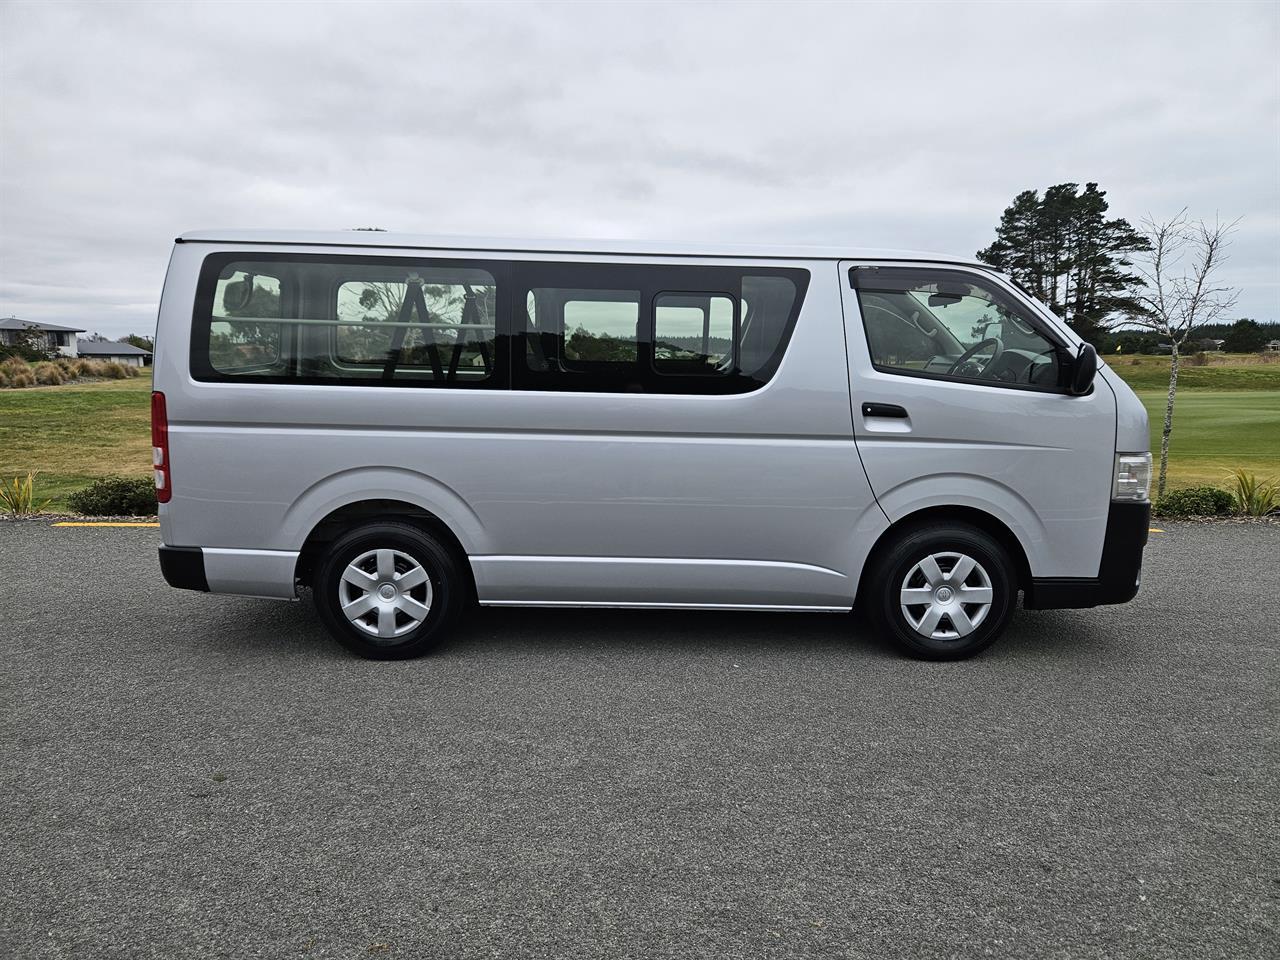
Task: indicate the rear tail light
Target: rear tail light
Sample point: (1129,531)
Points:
(160,448)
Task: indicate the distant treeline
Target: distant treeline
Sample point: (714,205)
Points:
(1240,336)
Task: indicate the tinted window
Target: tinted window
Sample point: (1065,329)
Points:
(391,321)
(599,325)
(953,325)
(379,321)
(250,344)
(656,329)
(693,333)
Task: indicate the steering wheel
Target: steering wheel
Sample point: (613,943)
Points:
(969,354)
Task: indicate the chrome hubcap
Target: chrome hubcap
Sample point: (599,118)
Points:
(385,593)
(946,596)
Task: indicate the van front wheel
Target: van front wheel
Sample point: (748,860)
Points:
(388,591)
(942,591)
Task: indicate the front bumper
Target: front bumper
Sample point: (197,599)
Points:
(1119,573)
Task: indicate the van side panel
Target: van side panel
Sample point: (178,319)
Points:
(556,497)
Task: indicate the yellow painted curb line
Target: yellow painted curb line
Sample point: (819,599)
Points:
(1151,530)
(88,523)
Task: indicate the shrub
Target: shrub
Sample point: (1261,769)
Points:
(80,368)
(116,497)
(67,366)
(1198,359)
(1196,502)
(19,496)
(48,373)
(23,378)
(1254,497)
(14,366)
(130,371)
(116,371)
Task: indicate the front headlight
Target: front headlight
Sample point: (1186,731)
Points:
(1132,477)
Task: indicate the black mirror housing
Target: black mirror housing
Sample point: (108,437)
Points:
(1083,370)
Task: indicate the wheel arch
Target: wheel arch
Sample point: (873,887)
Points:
(973,516)
(354,514)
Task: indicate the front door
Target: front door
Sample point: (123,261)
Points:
(958,401)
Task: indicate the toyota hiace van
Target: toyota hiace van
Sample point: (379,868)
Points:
(406,425)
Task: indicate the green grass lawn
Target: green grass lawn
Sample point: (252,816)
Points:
(1226,416)
(1224,372)
(1215,431)
(74,433)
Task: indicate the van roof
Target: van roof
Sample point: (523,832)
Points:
(508,245)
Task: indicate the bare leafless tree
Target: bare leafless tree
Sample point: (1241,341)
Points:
(1180,292)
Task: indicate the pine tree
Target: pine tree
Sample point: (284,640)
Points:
(1069,255)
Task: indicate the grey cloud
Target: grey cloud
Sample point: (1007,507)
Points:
(907,125)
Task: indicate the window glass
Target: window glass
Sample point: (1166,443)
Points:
(346,319)
(253,343)
(600,325)
(769,306)
(952,325)
(659,329)
(693,333)
(435,323)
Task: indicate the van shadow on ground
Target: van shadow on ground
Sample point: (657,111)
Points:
(294,629)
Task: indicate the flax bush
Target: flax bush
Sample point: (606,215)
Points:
(18,496)
(1254,497)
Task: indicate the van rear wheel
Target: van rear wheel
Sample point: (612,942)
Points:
(388,591)
(943,591)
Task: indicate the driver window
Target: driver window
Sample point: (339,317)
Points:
(952,325)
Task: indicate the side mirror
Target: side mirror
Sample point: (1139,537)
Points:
(1083,369)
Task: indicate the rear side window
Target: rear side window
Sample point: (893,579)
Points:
(393,321)
(654,329)
(351,320)
(253,342)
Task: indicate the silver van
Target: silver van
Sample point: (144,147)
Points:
(406,425)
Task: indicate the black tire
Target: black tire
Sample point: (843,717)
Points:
(893,563)
(447,585)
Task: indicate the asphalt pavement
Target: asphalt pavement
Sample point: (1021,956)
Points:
(184,775)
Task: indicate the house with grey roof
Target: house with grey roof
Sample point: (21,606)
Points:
(48,336)
(65,340)
(125,353)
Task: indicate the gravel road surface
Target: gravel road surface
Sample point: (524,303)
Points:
(187,775)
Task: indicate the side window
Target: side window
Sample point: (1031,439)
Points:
(599,325)
(580,330)
(630,328)
(953,325)
(347,319)
(693,333)
(244,332)
(432,324)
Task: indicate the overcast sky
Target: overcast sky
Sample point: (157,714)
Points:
(902,125)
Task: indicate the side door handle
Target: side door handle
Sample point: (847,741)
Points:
(884,410)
